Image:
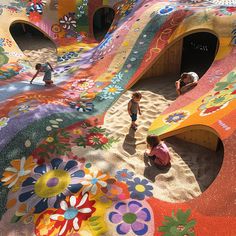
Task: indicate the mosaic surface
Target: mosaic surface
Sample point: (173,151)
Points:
(47,186)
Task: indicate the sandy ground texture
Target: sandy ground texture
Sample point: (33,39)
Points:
(37,49)
(193,168)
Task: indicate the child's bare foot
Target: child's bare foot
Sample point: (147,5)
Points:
(134,127)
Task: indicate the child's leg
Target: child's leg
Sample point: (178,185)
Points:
(159,164)
(48,82)
(133,118)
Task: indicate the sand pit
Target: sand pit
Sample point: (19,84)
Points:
(193,167)
(39,50)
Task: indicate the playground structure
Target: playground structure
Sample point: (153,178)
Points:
(144,38)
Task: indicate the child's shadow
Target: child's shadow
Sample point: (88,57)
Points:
(151,170)
(129,142)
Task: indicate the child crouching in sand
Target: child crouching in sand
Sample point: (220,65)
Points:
(158,150)
(134,109)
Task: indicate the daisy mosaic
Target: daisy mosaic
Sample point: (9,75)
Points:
(20,169)
(93,182)
(72,212)
(110,91)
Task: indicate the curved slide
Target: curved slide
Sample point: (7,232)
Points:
(48,185)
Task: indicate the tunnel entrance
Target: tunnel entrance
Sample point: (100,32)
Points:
(33,43)
(102,21)
(198,53)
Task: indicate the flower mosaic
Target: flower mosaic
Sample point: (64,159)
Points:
(139,188)
(83,84)
(93,182)
(110,91)
(51,183)
(124,175)
(125,8)
(225,92)
(68,21)
(3,122)
(166,10)
(95,137)
(23,108)
(82,8)
(19,170)
(115,191)
(225,11)
(117,78)
(176,117)
(34,9)
(131,218)
(72,212)
(68,56)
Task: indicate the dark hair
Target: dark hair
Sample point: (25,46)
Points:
(137,95)
(38,66)
(153,140)
(184,75)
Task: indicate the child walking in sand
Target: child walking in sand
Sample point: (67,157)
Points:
(134,109)
(47,69)
(158,150)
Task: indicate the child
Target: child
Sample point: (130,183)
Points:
(133,108)
(158,150)
(47,69)
(186,82)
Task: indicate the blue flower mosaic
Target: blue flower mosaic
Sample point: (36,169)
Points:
(51,183)
(139,188)
(166,10)
(124,175)
(176,117)
(117,78)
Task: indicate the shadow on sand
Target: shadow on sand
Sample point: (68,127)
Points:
(129,142)
(151,170)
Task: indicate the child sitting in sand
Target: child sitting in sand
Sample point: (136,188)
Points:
(133,108)
(158,151)
(47,69)
(186,82)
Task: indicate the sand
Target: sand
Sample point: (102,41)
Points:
(39,50)
(193,168)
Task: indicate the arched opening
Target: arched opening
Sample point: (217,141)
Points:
(102,21)
(33,43)
(199,50)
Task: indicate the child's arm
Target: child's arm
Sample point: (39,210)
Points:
(34,76)
(177,85)
(50,66)
(139,111)
(129,107)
